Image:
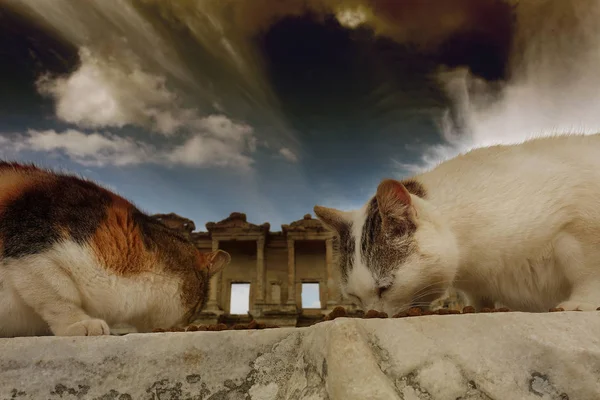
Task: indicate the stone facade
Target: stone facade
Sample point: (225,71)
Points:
(275,264)
(177,222)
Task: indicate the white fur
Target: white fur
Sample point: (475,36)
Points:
(361,283)
(518,224)
(68,288)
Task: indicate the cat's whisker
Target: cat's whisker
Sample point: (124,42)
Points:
(430,286)
(406,306)
(427,294)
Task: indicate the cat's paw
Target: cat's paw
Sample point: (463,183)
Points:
(87,327)
(577,306)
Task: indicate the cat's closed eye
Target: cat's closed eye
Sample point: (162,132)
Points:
(381,290)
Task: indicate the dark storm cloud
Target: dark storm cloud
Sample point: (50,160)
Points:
(472,32)
(216,52)
(28,50)
(552,73)
(343,84)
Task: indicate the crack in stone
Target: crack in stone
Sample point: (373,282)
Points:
(315,382)
(268,372)
(382,356)
(408,384)
(411,382)
(474,393)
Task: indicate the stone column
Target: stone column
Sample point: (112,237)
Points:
(212,303)
(260,270)
(331,289)
(291,273)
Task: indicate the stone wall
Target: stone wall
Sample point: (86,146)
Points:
(276,264)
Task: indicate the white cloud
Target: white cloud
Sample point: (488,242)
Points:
(111,93)
(99,149)
(553,85)
(114,92)
(223,128)
(92,149)
(219,141)
(200,150)
(351,17)
(288,154)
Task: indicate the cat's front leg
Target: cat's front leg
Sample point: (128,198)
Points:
(585,296)
(584,276)
(479,302)
(574,305)
(85,327)
(52,294)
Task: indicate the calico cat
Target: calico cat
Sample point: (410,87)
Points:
(76,258)
(514,224)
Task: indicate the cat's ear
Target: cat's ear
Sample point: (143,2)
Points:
(393,200)
(216,261)
(330,217)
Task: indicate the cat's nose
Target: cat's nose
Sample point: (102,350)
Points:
(375,304)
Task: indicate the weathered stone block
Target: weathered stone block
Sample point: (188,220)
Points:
(495,356)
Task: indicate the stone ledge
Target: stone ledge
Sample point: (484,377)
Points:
(552,356)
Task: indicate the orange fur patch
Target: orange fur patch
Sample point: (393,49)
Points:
(202,260)
(118,242)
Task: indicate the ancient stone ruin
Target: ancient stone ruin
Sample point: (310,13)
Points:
(177,222)
(276,265)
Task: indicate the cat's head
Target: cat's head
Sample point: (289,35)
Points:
(207,265)
(395,252)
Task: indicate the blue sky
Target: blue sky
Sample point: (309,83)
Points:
(202,110)
(240,297)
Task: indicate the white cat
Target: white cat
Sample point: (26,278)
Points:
(514,224)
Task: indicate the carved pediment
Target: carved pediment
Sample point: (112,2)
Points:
(236,222)
(176,222)
(306,224)
(198,236)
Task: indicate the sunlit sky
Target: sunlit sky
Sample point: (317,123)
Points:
(240,297)
(205,108)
